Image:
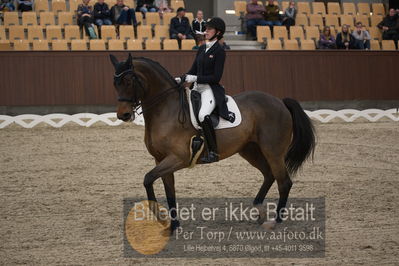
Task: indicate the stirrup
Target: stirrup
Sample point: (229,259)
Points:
(212,157)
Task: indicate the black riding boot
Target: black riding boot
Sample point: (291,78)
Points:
(210,137)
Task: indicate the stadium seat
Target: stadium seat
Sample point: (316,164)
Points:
(161,32)
(190,17)
(334,8)
(296,32)
(21,45)
(274,45)
(303,8)
(240,7)
(16,32)
(316,20)
(2,33)
(53,32)
(375,33)
(40,45)
(302,20)
(134,45)
(11,19)
(349,8)
(280,32)
(116,45)
(375,20)
(5,45)
(129,3)
(108,32)
(35,33)
(78,45)
(41,5)
(111,3)
(319,8)
(175,4)
(312,33)
(378,9)
(388,45)
(139,17)
(332,20)
(167,17)
(65,18)
(263,32)
(73,5)
(126,33)
(153,45)
(144,32)
(59,45)
(187,44)
(170,45)
(72,32)
(152,18)
(47,18)
(29,18)
(58,6)
(347,20)
(363,19)
(308,45)
(364,9)
(375,45)
(284,5)
(291,45)
(97,45)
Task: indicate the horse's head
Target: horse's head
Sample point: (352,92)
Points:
(128,86)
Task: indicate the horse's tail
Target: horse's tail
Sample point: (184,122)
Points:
(303,141)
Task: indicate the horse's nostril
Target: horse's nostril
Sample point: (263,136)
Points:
(126,116)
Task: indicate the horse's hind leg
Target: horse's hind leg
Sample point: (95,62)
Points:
(253,154)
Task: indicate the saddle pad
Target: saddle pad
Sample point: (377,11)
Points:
(223,123)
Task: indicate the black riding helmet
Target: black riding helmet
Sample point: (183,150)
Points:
(217,24)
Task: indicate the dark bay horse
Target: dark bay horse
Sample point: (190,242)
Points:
(275,136)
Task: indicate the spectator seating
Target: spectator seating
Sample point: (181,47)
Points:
(302,20)
(319,8)
(296,32)
(347,20)
(97,45)
(40,45)
(59,45)
(170,45)
(108,32)
(263,32)
(115,45)
(349,8)
(364,9)
(187,44)
(291,45)
(29,18)
(175,4)
(280,33)
(304,8)
(2,33)
(333,8)
(134,44)
(5,45)
(58,5)
(11,18)
(16,32)
(312,33)
(161,32)
(375,20)
(144,32)
(378,9)
(53,32)
(375,45)
(41,5)
(35,33)
(21,45)
(316,20)
(308,45)
(72,32)
(332,20)
(388,45)
(78,45)
(47,18)
(65,18)
(126,33)
(274,45)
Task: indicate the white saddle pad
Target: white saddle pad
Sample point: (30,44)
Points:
(223,123)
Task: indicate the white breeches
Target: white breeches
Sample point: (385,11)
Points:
(208,103)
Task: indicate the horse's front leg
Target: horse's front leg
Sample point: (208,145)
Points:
(166,167)
(169,184)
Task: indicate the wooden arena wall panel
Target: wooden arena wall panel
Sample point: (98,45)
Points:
(86,78)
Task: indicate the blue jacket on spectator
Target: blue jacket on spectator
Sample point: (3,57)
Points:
(180,26)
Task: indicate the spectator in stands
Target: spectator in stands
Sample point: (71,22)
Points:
(122,14)
(290,15)
(180,26)
(198,24)
(255,17)
(200,40)
(25,5)
(145,6)
(327,40)
(102,14)
(86,18)
(163,7)
(390,27)
(272,15)
(7,5)
(362,37)
(345,40)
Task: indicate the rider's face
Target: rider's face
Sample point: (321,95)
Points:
(209,33)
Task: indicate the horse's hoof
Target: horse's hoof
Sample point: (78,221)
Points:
(174,225)
(269,225)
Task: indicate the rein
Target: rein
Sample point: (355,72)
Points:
(157,99)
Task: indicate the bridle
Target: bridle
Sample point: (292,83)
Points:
(137,103)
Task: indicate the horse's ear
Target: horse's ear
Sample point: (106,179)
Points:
(114,60)
(129,60)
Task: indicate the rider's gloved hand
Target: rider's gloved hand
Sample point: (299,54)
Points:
(191,78)
(178,80)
